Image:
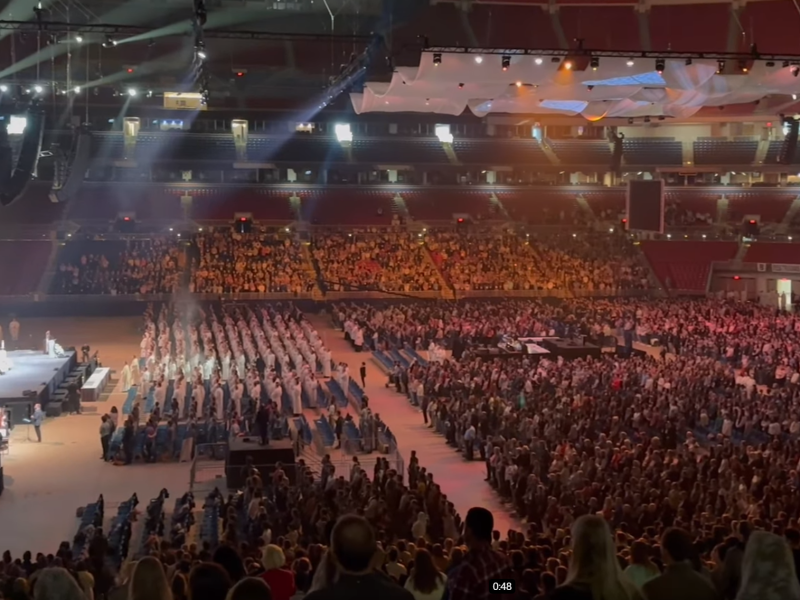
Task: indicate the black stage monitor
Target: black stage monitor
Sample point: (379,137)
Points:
(645,206)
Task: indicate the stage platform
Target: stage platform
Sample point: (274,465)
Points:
(32,371)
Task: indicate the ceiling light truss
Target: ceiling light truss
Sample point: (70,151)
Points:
(131,30)
(598,54)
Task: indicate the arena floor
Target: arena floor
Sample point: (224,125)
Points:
(45,483)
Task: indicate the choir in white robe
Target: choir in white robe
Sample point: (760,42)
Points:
(126,378)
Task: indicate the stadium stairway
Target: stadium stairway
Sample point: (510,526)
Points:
(587,210)
(448,293)
(790,215)
(499,206)
(549,153)
(312,268)
(399,207)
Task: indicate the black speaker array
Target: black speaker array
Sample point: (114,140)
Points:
(81,153)
(27,161)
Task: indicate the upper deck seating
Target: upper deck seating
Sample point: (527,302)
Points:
(347,207)
(295,148)
(442,205)
(398,151)
(218,204)
(770,206)
(715,151)
(764,252)
(685,266)
(582,152)
(499,152)
(652,151)
(542,206)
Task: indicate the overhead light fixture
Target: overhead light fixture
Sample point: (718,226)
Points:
(131,92)
(201,54)
(720,66)
(594,62)
(660,64)
(688,61)
(77,89)
(110,42)
(538,60)
(3,88)
(630,62)
(437,59)
(38,89)
(505,62)
(79,39)
(479,59)
(794,96)
(568,65)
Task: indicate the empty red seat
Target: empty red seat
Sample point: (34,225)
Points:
(686,266)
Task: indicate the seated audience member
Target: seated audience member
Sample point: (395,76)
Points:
(481,564)
(351,558)
(679,579)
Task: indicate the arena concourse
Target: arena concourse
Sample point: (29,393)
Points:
(361,299)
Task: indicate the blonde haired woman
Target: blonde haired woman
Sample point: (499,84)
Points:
(279,579)
(594,572)
(56,583)
(148,581)
(768,571)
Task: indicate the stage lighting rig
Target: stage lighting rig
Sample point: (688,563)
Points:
(110,42)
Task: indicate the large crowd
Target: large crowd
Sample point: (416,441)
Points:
(135,267)
(667,466)
(511,261)
(367,260)
(256,262)
(390,260)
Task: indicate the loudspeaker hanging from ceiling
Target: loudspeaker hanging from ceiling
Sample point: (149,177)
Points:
(27,161)
(77,164)
(789,146)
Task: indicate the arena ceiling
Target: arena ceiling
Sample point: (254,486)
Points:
(306,43)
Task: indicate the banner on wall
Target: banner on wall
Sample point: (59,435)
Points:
(783,268)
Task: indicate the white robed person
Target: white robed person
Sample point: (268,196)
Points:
(297,398)
(126,378)
(136,377)
(219,406)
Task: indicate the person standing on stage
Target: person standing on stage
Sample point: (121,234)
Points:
(36,419)
(13,329)
(363,372)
